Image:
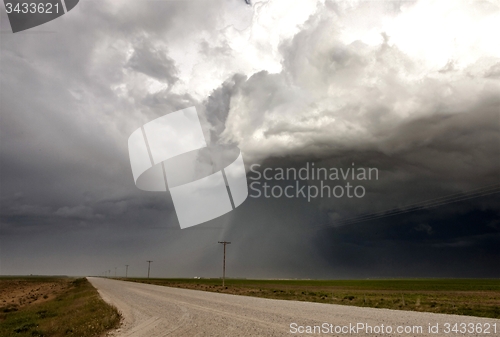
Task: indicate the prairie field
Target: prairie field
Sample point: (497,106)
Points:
(53,307)
(471,297)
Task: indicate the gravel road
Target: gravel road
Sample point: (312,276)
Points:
(155,311)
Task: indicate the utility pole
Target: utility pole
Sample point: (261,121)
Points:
(149,264)
(224,262)
(126,270)
(115,272)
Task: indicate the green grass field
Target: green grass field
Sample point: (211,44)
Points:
(77,310)
(472,297)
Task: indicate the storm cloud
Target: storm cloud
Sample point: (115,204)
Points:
(409,88)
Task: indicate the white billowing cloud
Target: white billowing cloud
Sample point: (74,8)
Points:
(246,40)
(437,32)
(224,37)
(207,43)
(320,72)
(320,75)
(340,87)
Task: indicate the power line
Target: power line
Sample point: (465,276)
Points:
(224,262)
(415,208)
(456,197)
(193,253)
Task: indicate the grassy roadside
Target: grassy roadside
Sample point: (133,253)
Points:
(471,297)
(76,311)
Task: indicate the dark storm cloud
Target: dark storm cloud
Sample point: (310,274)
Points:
(64,161)
(216,107)
(154,63)
(72,92)
(437,243)
(70,99)
(421,160)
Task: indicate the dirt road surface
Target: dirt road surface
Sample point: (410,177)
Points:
(156,311)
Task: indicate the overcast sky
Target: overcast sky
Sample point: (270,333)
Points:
(411,88)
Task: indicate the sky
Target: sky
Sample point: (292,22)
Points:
(410,88)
